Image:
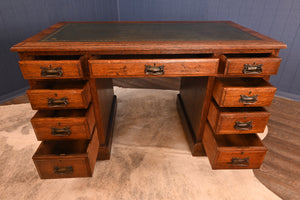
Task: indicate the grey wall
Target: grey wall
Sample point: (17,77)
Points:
(279,19)
(20,19)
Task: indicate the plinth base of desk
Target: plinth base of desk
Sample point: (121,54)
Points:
(105,150)
(196,148)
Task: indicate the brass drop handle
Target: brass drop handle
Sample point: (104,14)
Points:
(66,131)
(240,162)
(252,68)
(50,72)
(243,126)
(154,70)
(247,100)
(63,170)
(58,102)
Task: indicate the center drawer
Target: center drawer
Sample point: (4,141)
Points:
(67,159)
(147,65)
(243,92)
(233,151)
(59,95)
(63,124)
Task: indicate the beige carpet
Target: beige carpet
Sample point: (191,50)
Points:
(150,159)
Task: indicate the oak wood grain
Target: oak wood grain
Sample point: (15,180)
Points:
(136,67)
(223,120)
(79,156)
(77,94)
(31,69)
(80,124)
(195,94)
(223,150)
(234,64)
(227,92)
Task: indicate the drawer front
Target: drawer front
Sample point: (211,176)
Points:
(52,69)
(60,98)
(73,124)
(233,151)
(241,93)
(239,159)
(250,66)
(150,67)
(66,165)
(237,121)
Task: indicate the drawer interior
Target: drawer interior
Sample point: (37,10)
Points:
(150,56)
(244,82)
(239,110)
(60,113)
(58,85)
(245,140)
(62,148)
(249,55)
(54,57)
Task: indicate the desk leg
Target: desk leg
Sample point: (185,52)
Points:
(105,106)
(192,105)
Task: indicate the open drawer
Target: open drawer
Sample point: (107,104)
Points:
(52,67)
(64,124)
(237,120)
(67,159)
(249,64)
(59,95)
(243,92)
(233,151)
(153,65)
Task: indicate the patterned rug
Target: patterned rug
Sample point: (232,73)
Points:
(150,159)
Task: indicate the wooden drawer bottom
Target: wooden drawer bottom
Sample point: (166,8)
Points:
(66,159)
(233,151)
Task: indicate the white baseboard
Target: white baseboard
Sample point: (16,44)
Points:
(14,94)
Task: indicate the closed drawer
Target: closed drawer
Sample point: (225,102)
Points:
(233,151)
(64,124)
(66,159)
(204,66)
(247,64)
(237,120)
(52,67)
(59,95)
(243,92)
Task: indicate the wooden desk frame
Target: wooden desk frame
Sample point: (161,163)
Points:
(195,92)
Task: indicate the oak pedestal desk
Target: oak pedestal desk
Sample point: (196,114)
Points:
(224,67)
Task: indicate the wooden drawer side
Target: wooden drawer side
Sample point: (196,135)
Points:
(210,145)
(92,151)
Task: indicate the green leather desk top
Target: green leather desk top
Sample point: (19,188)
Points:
(117,32)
